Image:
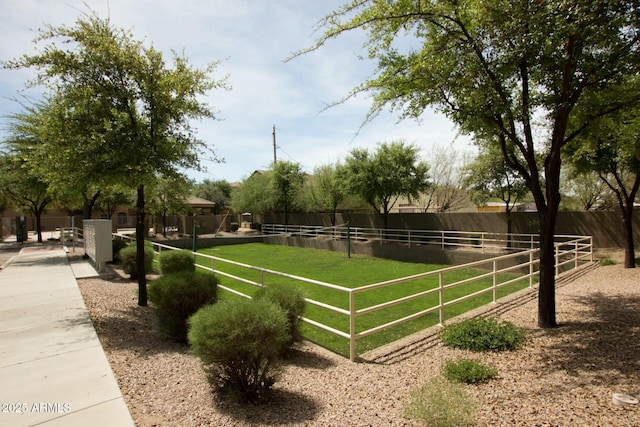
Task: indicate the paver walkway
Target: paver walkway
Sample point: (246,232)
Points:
(53,370)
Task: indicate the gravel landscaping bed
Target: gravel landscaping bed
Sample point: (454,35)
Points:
(561,377)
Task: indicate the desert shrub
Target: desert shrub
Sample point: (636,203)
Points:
(607,261)
(468,371)
(128,259)
(171,261)
(117,245)
(483,334)
(234,226)
(240,343)
(291,300)
(179,295)
(441,403)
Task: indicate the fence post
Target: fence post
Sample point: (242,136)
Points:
(575,261)
(557,249)
(531,268)
(495,281)
(352,326)
(409,238)
(591,248)
(348,240)
(442,236)
(482,241)
(262,277)
(441,297)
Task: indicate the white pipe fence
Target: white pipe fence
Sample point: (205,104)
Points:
(444,239)
(571,253)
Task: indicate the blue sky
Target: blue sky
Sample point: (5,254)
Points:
(252,38)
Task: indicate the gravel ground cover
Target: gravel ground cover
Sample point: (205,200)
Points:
(561,377)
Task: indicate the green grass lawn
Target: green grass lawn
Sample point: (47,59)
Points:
(336,268)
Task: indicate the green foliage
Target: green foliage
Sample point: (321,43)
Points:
(607,261)
(128,259)
(234,226)
(289,298)
(483,334)
(240,343)
(394,170)
(468,371)
(177,296)
(172,261)
(441,403)
(117,245)
(218,192)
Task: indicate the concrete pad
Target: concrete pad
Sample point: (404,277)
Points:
(66,383)
(83,269)
(53,370)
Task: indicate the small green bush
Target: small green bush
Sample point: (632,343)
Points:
(234,227)
(468,371)
(483,334)
(128,259)
(291,300)
(174,261)
(177,296)
(117,245)
(607,261)
(441,403)
(240,343)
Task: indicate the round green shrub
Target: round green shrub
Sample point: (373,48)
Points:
(234,227)
(291,300)
(172,261)
(240,343)
(468,371)
(117,245)
(177,296)
(128,259)
(483,334)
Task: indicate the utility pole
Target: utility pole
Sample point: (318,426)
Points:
(274,145)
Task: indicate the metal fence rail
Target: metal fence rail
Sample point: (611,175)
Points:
(444,239)
(572,253)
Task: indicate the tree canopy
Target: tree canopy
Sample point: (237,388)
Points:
(118,109)
(509,72)
(381,177)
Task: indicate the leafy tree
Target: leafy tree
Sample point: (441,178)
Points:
(218,192)
(168,196)
(23,188)
(488,177)
(380,178)
(611,148)
(112,197)
(327,190)
(137,110)
(254,194)
(584,191)
(286,181)
(508,72)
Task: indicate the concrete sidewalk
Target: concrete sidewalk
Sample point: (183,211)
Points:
(53,370)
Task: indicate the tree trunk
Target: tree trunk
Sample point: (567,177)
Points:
(629,250)
(140,235)
(509,226)
(546,290)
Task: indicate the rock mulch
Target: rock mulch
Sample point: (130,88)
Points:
(561,377)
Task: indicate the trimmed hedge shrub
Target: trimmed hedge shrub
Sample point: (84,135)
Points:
(128,259)
(483,334)
(468,371)
(291,300)
(174,261)
(177,296)
(117,245)
(234,226)
(240,343)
